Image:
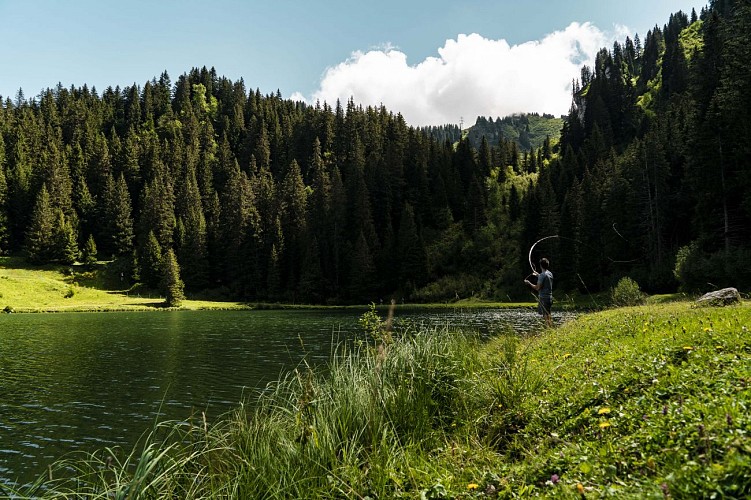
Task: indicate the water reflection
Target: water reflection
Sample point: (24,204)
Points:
(83,381)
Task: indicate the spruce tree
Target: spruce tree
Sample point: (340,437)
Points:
(39,242)
(89,252)
(172,285)
(64,245)
(150,259)
(4,229)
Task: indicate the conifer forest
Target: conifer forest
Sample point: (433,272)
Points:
(262,198)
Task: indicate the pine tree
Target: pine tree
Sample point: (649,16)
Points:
(64,247)
(118,217)
(192,248)
(151,261)
(4,223)
(172,285)
(39,242)
(157,211)
(89,252)
(410,251)
(361,270)
(293,222)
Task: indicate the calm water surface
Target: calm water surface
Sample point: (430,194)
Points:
(83,381)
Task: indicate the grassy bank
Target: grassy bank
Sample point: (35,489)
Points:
(638,402)
(79,288)
(54,288)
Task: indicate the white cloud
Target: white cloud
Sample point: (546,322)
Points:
(472,76)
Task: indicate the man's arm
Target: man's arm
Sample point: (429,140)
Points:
(533,285)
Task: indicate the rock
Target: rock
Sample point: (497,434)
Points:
(723,297)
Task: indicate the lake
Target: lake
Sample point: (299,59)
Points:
(84,381)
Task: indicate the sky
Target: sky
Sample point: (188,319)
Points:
(436,61)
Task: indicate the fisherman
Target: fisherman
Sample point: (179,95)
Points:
(545,288)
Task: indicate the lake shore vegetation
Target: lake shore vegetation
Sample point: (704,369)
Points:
(635,402)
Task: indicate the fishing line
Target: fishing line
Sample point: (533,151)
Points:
(619,234)
(614,261)
(534,271)
(588,292)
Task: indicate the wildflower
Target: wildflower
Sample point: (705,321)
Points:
(603,411)
(580,488)
(544,392)
(604,425)
(472,486)
(688,348)
(554,479)
(707,329)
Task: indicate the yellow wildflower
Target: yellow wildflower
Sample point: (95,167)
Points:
(603,411)
(580,488)
(604,425)
(472,486)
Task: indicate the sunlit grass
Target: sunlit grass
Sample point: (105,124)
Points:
(52,288)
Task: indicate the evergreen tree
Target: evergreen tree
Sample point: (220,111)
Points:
(118,221)
(157,211)
(410,251)
(89,251)
(172,285)
(64,247)
(39,244)
(4,223)
(151,261)
(192,248)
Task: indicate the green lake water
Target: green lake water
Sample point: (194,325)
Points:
(84,381)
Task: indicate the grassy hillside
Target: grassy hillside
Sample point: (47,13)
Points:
(527,130)
(645,402)
(25,288)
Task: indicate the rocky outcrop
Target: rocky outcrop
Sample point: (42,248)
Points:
(724,297)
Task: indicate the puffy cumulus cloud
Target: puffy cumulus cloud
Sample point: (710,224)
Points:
(473,76)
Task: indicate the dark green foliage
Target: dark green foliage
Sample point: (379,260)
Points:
(89,251)
(38,237)
(172,286)
(150,259)
(4,228)
(272,199)
(64,246)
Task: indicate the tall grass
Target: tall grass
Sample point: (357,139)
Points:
(362,426)
(357,429)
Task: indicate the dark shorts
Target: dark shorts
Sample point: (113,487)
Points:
(545,305)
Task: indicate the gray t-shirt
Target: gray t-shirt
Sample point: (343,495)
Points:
(545,279)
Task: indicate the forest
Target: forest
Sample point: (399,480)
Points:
(255,197)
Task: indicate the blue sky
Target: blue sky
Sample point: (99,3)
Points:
(433,61)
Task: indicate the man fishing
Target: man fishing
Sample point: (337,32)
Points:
(544,287)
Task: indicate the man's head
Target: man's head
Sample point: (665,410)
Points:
(544,263)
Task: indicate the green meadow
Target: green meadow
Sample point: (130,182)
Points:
(55,288)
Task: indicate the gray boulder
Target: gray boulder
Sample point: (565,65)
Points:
(724,297)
